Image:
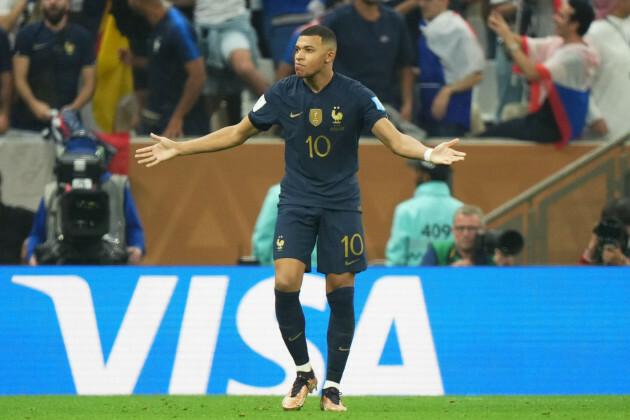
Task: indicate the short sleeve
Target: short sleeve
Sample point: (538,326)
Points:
(264,114)
(372,108)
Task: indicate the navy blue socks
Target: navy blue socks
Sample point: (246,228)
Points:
(291,321)
(340,331)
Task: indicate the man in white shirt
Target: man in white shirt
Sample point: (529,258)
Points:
(610,93)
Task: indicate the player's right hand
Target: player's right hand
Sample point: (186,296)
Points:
(164,149)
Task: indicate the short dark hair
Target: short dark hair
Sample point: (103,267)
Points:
(326,34)
(583,14)
(618,208)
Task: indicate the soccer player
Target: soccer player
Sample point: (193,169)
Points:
(322,113)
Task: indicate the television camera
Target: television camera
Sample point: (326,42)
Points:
(78,206)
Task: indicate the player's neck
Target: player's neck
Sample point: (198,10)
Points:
(319,81)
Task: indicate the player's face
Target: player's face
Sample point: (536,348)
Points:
(311,56)
(465,228)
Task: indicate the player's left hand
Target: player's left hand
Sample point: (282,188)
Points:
(444,154)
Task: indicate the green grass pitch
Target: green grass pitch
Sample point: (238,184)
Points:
(249,407)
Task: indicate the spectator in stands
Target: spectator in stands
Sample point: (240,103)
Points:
(262,238)
(136,28)
(124,223)
(375,49)
(462,250)
(565,67)
(611,37)
(426,217)
(12,16)
(285,68)
(609,242)
(451,62)
(53,67)
(229,45)
(510,86)
(176,74)
(87,13)
(281,18)
(15,224)
(6,82)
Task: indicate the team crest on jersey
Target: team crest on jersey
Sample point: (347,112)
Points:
(280,243)
(315,117)
(69,47)
(337,116)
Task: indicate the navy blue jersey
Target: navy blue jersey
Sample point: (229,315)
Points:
(321,138)
(55,60)
(171,45)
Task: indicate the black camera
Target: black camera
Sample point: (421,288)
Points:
(82,207)
(611,231)
(509,242)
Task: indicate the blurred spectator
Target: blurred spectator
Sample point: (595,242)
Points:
(52,59)
(426,217)
(124,223)
(611,37)
(6,82)
(374,48)
(451,62)
(87,13)
(281,18)
(464,250)
(510,86)
(564,65)
(609,241)
(12,16)
(262,238)
(285,67)
(15,223)
(176,74)
(137,30)
(228,43)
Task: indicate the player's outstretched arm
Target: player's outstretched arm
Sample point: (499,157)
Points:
(410,148)
(222,139)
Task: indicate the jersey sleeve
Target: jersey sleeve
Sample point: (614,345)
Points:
(24,42)
(265,112)
(371,107)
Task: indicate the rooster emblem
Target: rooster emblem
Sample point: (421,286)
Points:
(337,116)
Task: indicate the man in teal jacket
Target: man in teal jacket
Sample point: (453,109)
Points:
(424,218)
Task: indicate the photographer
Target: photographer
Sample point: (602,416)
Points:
(470,246)
(609,241)
(106,205)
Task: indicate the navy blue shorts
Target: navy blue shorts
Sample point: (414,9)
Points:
(339,237)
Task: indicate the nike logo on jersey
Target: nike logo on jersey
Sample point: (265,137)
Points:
(292,115)
(342,349)
(351,262)
(296,337)
(39,46)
